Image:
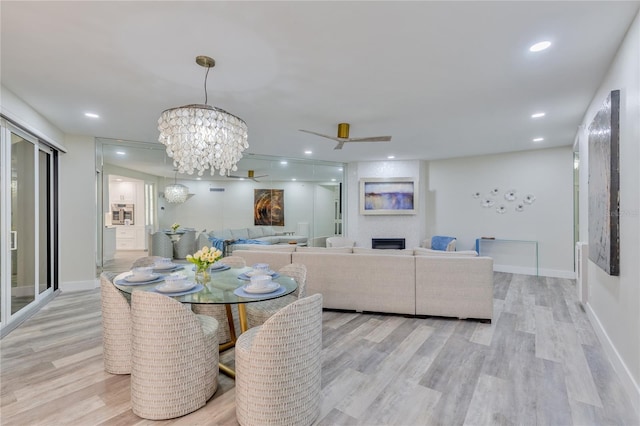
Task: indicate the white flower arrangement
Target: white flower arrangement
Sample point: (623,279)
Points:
(204,258)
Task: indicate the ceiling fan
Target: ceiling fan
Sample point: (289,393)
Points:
(250,175)
(343,136)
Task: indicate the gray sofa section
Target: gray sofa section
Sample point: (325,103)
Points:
(264,234)
(392,281)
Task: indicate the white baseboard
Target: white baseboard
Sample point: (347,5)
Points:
(556,273)
(628,382)
(79,285)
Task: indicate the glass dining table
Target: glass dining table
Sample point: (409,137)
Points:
(224,287)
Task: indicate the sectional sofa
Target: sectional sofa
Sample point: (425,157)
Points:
(247,238)
(414,281)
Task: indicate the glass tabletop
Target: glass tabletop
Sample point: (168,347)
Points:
(219,289)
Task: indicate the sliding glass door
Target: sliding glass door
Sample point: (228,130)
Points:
(26,225)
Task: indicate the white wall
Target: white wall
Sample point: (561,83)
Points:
(77,207)
(233,208)
(364,227)
(546,173)
(614,302)
(18,111)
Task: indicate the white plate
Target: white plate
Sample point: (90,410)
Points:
(176,287)
(133,279)
(217,265)
(269,288)
(254,272)
(165,267)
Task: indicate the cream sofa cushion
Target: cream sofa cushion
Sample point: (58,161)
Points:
(285,248)
(419,251)
(325,249)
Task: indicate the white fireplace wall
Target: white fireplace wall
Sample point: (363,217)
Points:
(364,227)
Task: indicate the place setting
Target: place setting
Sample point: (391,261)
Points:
(260,286)
(142,275)
(166,265)
(178,285)
(259,269)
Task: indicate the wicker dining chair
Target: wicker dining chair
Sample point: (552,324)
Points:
(259,312)
(278,367)
(174,369)
(185,245)
(221,312)
(116,327)
(145,261)
(161,245)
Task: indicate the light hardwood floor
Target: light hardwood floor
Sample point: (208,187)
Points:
(538,363)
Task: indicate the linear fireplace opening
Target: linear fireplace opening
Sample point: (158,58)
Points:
(387,243)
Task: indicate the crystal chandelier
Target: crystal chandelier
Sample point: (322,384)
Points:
(200,137)
(176,192)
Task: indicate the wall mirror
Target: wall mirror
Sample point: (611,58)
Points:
(132,177)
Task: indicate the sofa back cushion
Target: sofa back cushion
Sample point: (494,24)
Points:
(364,282)
(240,233)
(419,251)
(221,234)
(401,252)
(324,249)
(267,231)
(285,248)
(255,232)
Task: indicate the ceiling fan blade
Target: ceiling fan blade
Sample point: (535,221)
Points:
(371,139)
(320,134)
(340,144)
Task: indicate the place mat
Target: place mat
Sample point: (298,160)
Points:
(248,278)
(240,292)
(124,281)
(196,289)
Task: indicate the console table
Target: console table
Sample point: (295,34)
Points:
(519,256)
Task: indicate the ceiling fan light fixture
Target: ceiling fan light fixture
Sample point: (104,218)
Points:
(200,137)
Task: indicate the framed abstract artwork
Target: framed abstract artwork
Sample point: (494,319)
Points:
(268,207)
(604,186)
(385,196)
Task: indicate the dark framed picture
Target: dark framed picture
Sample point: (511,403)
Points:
(268,207)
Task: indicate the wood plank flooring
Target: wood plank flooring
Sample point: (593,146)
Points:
(538,363)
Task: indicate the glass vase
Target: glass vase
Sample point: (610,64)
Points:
(202,274)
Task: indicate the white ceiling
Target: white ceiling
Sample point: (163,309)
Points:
(445,79)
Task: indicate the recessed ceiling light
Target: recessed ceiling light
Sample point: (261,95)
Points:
(198,178)
(91,115)
(283,162)
(540,46)
(538,115)
(308,152)
(294,179)
(119,180)
(340,169)
(121,153)
(391,157)
(333,180)
(538,139)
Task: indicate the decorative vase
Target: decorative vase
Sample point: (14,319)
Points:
(202,274)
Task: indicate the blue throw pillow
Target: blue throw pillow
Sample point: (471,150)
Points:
(440,243)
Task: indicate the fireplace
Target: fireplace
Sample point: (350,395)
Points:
(387,243)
